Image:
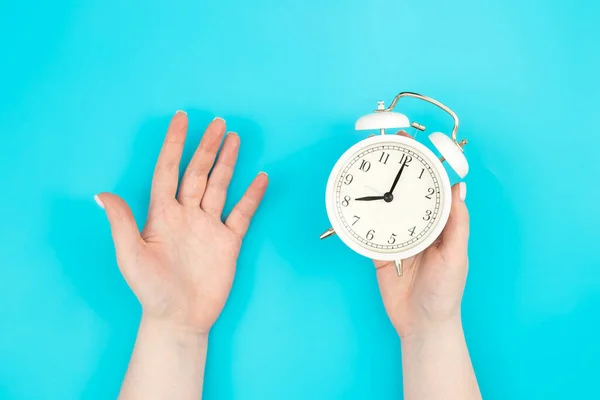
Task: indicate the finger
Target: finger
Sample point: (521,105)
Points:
(455,236)
(239,219)
(403,133)
(166,173)
(406,265)
(216,189)
(194,179)
(125,233)
(382,264)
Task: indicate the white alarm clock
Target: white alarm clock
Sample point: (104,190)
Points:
(388,197)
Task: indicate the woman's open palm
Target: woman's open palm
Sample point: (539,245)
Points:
(181,266)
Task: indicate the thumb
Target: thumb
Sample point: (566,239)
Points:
(125,233)
(455,237)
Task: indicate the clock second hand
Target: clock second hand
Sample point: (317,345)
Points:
(388,196)
(371,188)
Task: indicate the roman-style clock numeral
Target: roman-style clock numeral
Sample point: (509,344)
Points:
(365,165)
(356,219)
(384,157)
(430,192)
(412,230)
(422,170)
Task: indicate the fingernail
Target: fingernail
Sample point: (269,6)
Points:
(216,118)
(462,191)
(98,201)
(180,112)
(264,173)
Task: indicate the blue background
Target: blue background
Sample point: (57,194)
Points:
(87,90)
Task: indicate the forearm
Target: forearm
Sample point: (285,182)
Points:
(167,363)
(436,365)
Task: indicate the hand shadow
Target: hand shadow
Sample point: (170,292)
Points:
(490,306)
(306,266)
(80,235)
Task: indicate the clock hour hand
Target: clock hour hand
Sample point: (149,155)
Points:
(370,198)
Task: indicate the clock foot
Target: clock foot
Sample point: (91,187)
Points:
(327,233)
(398,266)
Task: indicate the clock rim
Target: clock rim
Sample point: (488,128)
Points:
(444,211)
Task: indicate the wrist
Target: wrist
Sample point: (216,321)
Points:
(183,335)
(432,330)
(168,361)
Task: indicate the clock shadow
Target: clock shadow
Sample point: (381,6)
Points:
(334,277)
(300,180)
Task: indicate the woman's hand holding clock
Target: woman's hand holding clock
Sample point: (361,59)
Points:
(424,307)
(431,288)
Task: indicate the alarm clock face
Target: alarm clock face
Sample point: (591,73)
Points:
(388,197)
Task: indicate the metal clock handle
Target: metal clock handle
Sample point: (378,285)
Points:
(432,101)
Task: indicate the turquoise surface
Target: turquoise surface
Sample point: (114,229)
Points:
(87,90)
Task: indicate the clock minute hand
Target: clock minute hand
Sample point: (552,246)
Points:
(369,198)
(397,177)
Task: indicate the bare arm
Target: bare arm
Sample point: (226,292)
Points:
(436,365)
(424,306)
(181,266)
(167,362)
